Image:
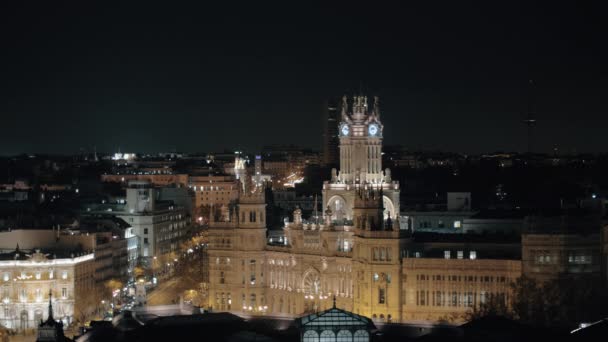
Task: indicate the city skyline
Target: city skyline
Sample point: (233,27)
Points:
(154,79)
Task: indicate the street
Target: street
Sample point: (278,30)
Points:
(167,292)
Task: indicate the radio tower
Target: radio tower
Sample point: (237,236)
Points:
(530,120)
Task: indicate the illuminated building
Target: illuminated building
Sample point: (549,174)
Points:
(27,277)
(360,162)
(158,226)
(354,251)
(211,193)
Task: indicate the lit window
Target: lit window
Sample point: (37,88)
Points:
(381,296)
(447,254)
(457,224)
(376,276)
(64,275)
(460,254)
(473,255)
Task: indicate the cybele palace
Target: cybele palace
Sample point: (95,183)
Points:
(354,251)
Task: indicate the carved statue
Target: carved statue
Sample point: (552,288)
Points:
(389,222)
(334,175)
(387,175)
(328,214)
(297,215)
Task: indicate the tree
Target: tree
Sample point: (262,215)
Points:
(87,307)
(494,305)
(527,300)
(110,286)
(561,302)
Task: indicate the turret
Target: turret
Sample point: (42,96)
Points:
(368,210)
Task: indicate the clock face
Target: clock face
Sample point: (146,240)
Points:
(373,129)
(344,129)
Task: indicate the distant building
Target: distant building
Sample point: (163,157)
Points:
(331,117)
(153,178)
(562,246)
(289,201)
(158,225)
(446,221)
(212,192)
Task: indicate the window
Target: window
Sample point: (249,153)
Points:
(457,224)
(376,277)
(64,275)
(327,336)
(472,255)
(311,336)
(145,240)
(252,300)
(252,272)
(381,296)
(460,254)
(222,279)
(447,254)
(361,336)
(64,293)
(145,230)
(344,336)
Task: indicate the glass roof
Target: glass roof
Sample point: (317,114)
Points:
(334,317)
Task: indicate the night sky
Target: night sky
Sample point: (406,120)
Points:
(153,77)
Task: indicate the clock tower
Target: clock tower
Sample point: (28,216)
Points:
(361,142)
(360,132)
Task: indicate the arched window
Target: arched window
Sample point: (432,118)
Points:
(328,336)
(344,336)
(310,336)
(361,336)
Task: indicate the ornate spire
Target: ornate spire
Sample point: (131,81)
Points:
(377,107)
(50,305)
(334,301)
(344,108)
